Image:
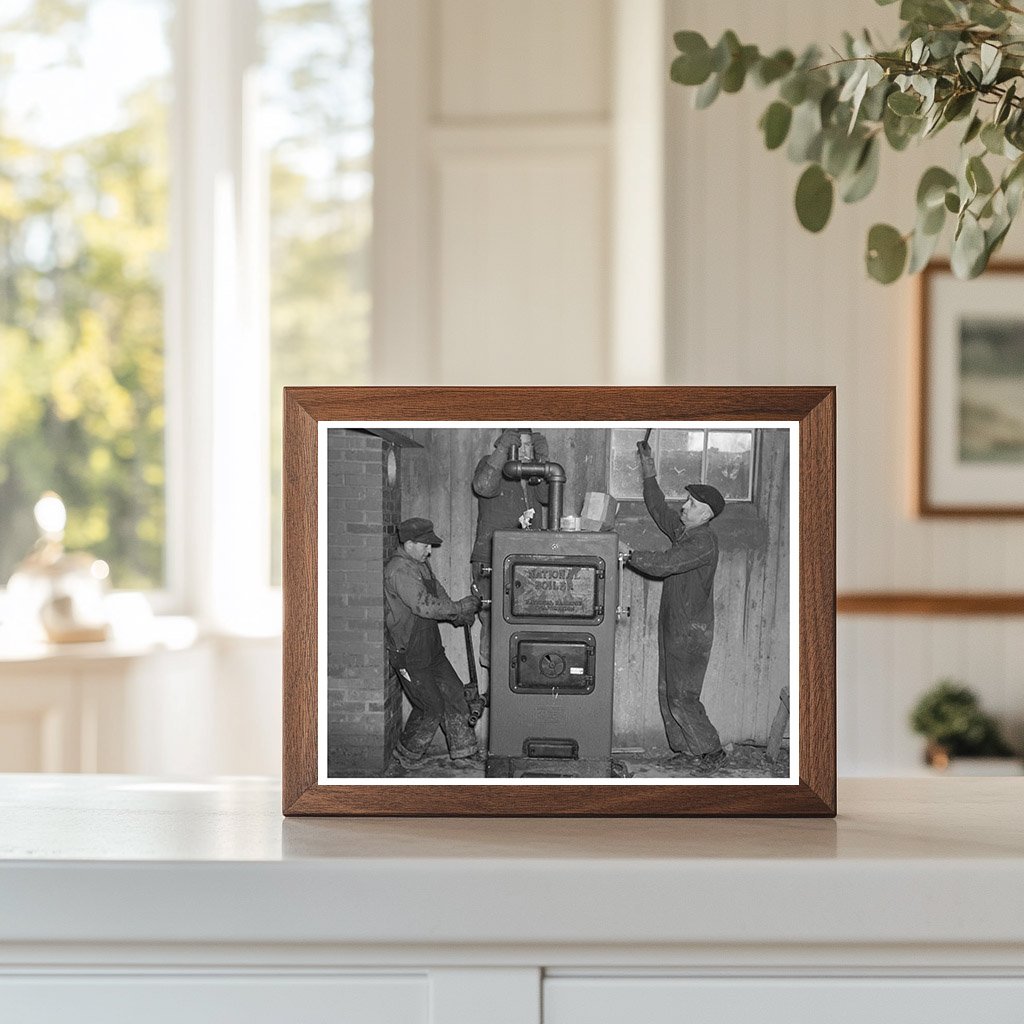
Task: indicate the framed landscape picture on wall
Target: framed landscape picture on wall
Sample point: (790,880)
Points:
(559,601)
(970,450)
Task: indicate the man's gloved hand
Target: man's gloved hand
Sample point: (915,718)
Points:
(499,456)
(467,607)
(540,447)
(505,441)
(646,459)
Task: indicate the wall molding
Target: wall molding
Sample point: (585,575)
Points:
(928,603)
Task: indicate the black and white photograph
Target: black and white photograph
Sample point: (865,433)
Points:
(560,602)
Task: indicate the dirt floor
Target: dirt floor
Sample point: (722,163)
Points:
(744,761)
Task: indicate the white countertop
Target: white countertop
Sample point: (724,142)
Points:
(123,859)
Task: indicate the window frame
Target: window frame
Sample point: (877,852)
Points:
(638,496)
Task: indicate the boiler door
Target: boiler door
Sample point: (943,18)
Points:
(552,663)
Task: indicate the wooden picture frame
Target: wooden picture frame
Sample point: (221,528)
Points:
(808,413)
(969,446)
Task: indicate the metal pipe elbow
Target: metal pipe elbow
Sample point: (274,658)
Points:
(553,472)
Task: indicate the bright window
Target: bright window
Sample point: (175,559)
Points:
(317,121)
(723,458)
(83,238)
(167,264)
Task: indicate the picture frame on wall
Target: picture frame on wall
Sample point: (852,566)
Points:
(970,443)
(559,601)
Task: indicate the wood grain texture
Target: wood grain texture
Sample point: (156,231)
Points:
(299,596)
(925,603)
(813,408)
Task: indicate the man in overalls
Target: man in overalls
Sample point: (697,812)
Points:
(414,603)
(503,505)
(686,620)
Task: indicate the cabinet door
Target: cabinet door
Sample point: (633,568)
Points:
(569,1000)
(205,999)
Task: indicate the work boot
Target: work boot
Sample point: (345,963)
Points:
(712,761)
(395,769)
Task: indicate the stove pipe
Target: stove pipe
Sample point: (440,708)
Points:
(550,471)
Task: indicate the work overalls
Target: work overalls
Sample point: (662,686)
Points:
(434,691)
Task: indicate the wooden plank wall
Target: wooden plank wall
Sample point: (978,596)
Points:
(749,664)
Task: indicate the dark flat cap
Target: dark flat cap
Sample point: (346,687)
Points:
(419,530)
(711,496)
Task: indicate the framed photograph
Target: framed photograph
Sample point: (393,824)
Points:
(559,601)
(971,393)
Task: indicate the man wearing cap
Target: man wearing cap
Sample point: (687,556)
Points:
(686,620)
(503,504)
(414,603)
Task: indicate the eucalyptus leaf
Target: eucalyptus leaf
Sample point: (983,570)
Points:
(886,253)
(958,105)
(978,176)
(794,88)
(995,233)
(708,92)
(873,106)
(1005,105)
(771,69)
(1013,187)
(968,247)
(828,106)
(900,130)
(724,51)
(903,103)
(1014,192)
(987,15)
(991,61)
(814,195)
(922,248)
(932,221)
(952,202)
(993,138)
(973,129)
(931,190)
(775,124)
(805,133)
(840,152)
(865,174)
(934,121)
(735,74)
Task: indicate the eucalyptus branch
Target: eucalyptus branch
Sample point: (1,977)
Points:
(833,117)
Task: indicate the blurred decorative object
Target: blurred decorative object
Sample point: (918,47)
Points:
(971,394)
(61,594)
(956,60)
(950,717)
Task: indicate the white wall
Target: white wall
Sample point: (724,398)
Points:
(513,153)
(754,299)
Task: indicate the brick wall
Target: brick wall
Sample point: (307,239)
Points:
(363,697)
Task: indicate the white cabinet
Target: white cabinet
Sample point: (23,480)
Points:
(241,999)
(128,898)
(824,1000)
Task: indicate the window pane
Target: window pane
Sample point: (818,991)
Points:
(680,457)
(84,98)
(317,122)
(730,462)
(626,481)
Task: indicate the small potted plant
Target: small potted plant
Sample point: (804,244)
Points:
(950,717)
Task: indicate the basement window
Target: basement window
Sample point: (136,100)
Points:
(722,458)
